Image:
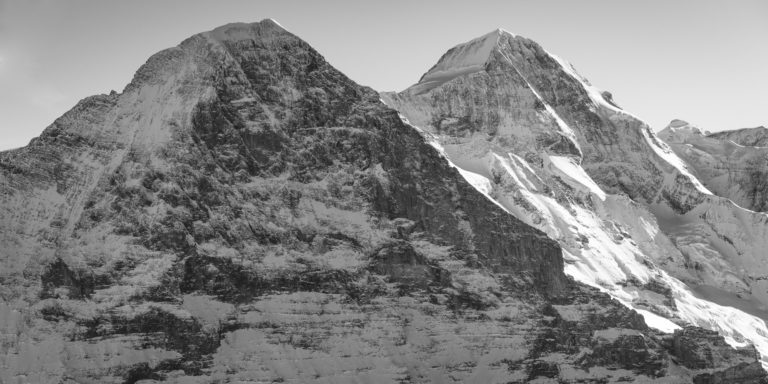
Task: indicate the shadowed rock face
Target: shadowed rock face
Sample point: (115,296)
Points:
(703,350)
(245,212)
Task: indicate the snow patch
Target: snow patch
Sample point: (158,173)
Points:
(655,321)
(568,168)
(461,60)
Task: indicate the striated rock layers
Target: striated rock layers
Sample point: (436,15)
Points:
(243,212)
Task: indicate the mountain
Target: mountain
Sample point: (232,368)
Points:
(725,165)
(244,212)
(563,156)
(748,137)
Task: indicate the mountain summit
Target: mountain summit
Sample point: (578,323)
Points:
(244,212)
(632,217)
(463,59)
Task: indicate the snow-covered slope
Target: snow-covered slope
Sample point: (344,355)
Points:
(725,165)
(463,59)
(631,216)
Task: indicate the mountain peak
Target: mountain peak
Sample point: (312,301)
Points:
(675,123)
(678,131)
(240,31)
(462,59)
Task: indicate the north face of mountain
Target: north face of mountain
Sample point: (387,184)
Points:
(560,154)
(725,165)
(243,212)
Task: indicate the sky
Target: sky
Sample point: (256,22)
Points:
(702,61)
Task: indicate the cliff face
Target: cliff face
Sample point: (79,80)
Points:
(245,212)
(564,157)
(733,164)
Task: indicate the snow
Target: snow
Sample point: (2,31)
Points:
(658,147)
(603,246)
(615,244)
(463,59)
(571,170)
(738,145)
(240,31)
(655,321)
(480,182)
(594,93)
(206,309)
(605,263)
(243,100)
(560,123)
(726,168)
(611,334)
(276,22)
(666,153)
(681,127)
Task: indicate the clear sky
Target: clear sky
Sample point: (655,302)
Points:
(699,60)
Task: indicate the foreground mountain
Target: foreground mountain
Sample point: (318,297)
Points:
(733,164)
(564,157)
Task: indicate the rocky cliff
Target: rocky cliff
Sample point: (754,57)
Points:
(243,212)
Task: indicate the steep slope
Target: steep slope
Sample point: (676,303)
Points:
(562,156)
(243,212)
(727,167)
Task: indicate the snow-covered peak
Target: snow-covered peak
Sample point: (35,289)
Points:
(677,131)
(461,60)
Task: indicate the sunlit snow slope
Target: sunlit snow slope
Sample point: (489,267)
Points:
(561,155)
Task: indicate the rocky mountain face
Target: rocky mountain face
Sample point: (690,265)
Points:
(561,155)
(733,164)
(243,212)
